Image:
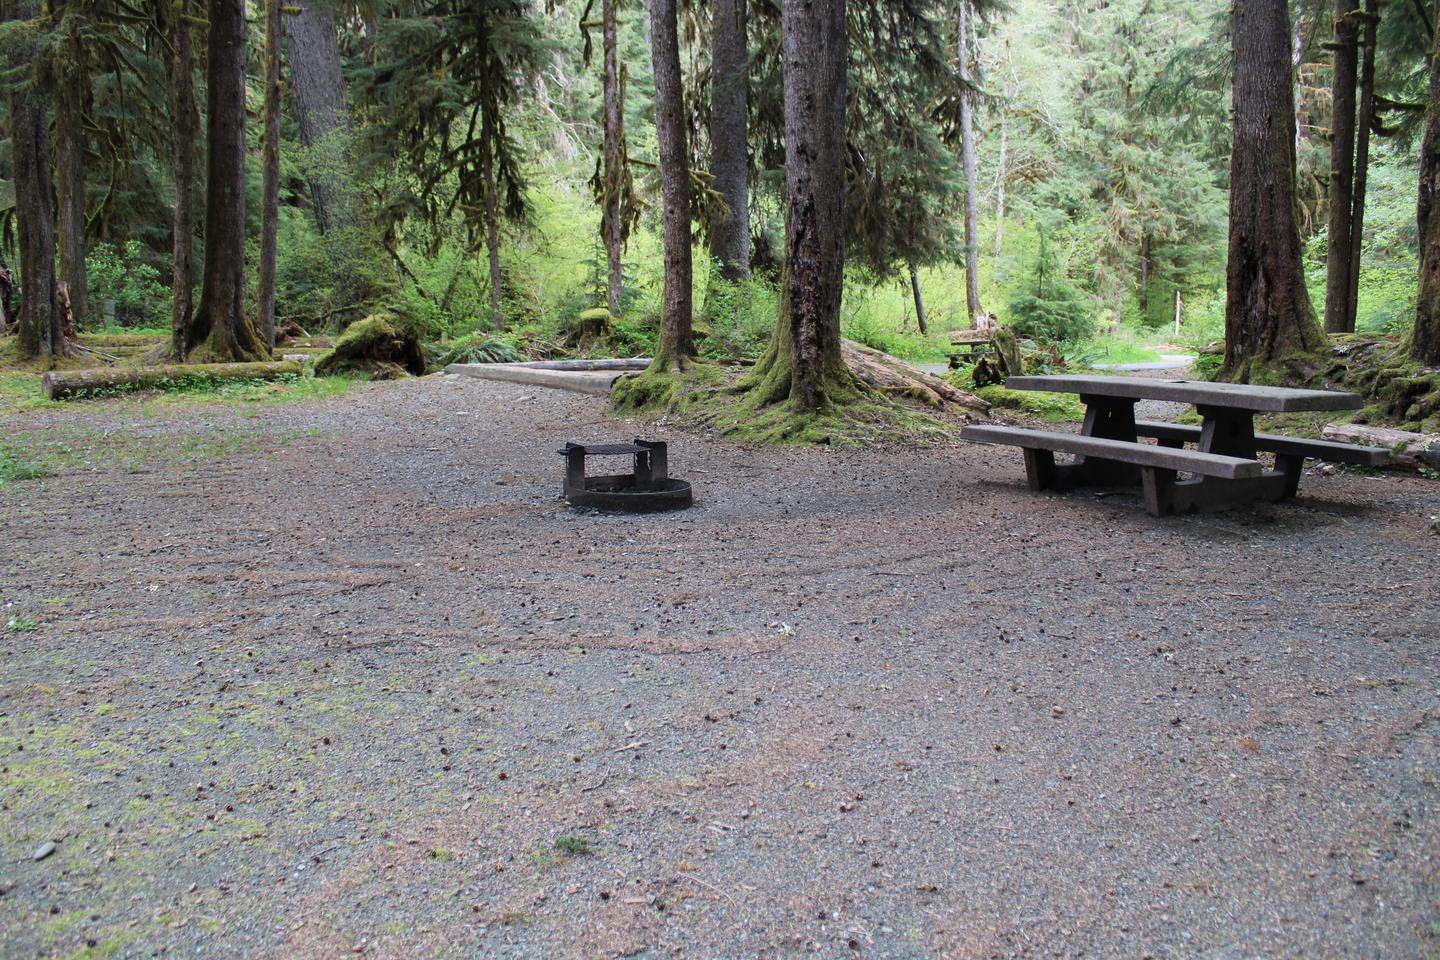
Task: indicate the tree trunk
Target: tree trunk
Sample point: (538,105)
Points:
(270,175)
(1342,170)
(1425,336)
(920,319)
(968,162)
(318,86)
(1362,158)
(219,330)
(1000,191)
(610,223)
(1144,292)
(803,363)
(39,321)
(729,134)
(185,120)
(1268,313)
(492,223)
(677,343)
(70,181)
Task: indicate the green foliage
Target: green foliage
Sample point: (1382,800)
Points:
(1057,312)
(22,624)
(476,348)
(14,467)
(573,845)
(124,276)
(738,321)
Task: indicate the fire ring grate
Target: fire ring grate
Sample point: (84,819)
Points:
(648,489)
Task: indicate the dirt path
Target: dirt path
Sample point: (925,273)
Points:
(344,693)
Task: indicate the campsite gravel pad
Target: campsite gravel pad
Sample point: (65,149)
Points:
(370,689)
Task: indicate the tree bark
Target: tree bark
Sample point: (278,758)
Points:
(677,344)
(70,183)
(1342,169)
(1144,292)
(803,363)
(185,119)
(610,217)
(968,163)
(40,331)
(220,330)
(1425,336)
(1000,177)
(270,174)
(920,319)
(1268,313)
(1362,158)
(318,86)
(729,134)
(492,223)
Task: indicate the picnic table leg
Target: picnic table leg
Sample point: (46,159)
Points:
(1159,487)
(1110,418)
(1227,432)
(1040,468)
(1231,432)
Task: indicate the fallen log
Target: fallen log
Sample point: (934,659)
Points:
(633,364)
(880,371)
(1407,450)
(62,384)
(597,382)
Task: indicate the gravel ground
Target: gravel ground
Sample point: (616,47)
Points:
(366,687)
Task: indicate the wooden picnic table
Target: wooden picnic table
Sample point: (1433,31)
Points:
(1224,466)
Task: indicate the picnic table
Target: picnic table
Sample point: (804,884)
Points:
(1222,470)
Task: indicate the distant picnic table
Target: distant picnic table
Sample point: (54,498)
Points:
(1224,468)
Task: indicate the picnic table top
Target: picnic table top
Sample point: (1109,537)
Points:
(1201,392)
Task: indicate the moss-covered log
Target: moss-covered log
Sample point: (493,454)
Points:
(380,345)
(63,384)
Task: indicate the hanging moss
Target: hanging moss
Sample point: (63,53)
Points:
(381,345)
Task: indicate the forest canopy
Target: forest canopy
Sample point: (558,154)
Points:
(495,168)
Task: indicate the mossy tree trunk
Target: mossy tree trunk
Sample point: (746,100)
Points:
(613,157)
(185,120)
(70,97)
(968,162)
(492,221)
(1342,164)
(1268,314)
(1363,124)
(220,331)
(40,323)
(729,124)
(1425,337)
(270,176)
(318,86)
(677,344)
(803,363)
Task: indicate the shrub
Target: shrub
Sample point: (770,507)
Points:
(124,277)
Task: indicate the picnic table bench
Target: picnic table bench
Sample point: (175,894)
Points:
(1224,468)
(967,346)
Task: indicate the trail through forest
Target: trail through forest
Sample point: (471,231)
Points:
(365,686)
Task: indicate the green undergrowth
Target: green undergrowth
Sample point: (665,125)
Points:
(1051,407)
(708,396)
(22,392)
(15,466)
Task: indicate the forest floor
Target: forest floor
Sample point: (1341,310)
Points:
(357,683)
